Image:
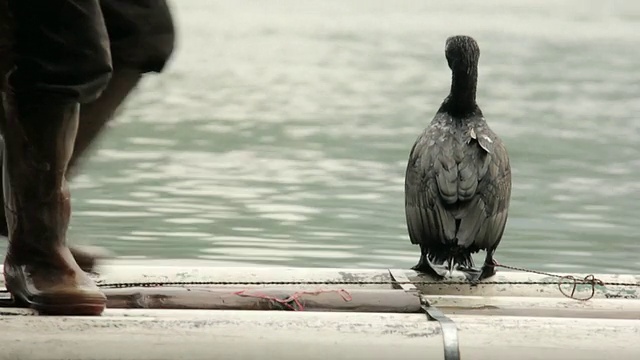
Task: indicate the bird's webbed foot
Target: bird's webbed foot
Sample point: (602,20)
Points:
(488,269)
(475,275)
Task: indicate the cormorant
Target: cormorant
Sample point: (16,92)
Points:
(458,179)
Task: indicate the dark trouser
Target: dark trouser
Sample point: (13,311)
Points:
(70,47)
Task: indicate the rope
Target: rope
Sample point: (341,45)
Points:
(293,301)
(589,279)
(328,282)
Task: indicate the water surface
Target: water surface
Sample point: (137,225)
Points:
(279,133)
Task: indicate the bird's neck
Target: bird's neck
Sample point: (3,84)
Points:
(462,98)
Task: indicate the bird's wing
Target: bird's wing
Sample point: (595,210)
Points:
(484,216)
(430,180)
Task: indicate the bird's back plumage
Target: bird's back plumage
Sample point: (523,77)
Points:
(457,189)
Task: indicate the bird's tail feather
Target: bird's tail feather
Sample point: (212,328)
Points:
(452,258)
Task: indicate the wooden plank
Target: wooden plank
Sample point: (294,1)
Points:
(264,299)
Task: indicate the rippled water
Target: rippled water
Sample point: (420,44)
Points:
(280,132)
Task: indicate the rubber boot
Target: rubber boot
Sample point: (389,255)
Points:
(93,118)
(39,269)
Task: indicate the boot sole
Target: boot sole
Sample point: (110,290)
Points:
(72,304)
(70,309)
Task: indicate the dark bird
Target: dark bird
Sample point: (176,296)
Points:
(458,179)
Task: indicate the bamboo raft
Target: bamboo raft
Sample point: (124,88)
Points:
(204,312)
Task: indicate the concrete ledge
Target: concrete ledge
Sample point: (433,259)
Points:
(505,283)
(193,334)
(536,307)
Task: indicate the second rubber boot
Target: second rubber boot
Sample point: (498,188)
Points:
(95,115)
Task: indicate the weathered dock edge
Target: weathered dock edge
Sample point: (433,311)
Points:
(494,321)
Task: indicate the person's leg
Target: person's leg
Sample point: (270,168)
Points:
(95,115)
(142,40)
(142,36)
(61,59)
